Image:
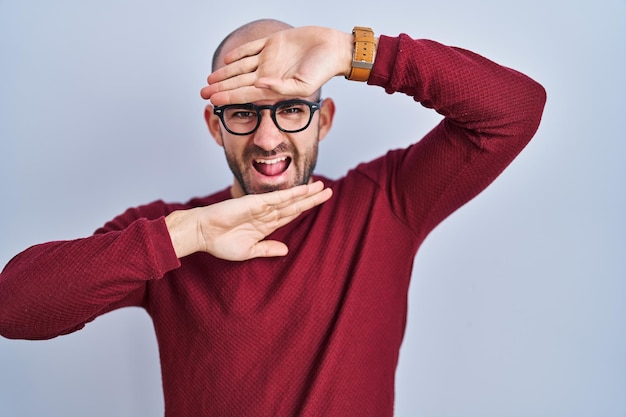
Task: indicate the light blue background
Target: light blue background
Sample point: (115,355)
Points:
(517,306)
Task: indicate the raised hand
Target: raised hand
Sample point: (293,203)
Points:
(294,63)
(235,229)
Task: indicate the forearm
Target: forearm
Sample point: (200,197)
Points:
(57,287)
(471,91)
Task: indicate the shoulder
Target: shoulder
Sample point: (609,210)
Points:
(380,169)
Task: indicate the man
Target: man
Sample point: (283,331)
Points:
(309,321)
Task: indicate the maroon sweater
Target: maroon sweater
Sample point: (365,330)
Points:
(318,332)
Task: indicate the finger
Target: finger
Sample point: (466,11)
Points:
(299,206)
(314,190)
(240,81)
(276,198)
(206,92)
(299,200)
(271,218)
(278,208)
(245,50)
(240,95)
(291,211)
(242,66)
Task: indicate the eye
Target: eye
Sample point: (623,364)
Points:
(240,115)
(243,114)
(292,109)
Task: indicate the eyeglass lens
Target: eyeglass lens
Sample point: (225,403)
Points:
(291,116)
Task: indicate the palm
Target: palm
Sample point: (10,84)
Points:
(297,66)
(235,229)
(295,62)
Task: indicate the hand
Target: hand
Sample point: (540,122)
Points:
(235,229)
(294,62)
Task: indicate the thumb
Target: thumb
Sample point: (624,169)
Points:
(265,82)
(268,249)
(284,87)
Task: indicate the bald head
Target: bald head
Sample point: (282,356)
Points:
(249,32)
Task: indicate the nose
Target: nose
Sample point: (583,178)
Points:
(267,136)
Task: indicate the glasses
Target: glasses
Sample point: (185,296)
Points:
(289,116)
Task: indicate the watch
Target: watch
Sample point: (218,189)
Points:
(364,53)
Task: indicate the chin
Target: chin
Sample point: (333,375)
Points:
(261,188)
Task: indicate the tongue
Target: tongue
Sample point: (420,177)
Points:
(271,169)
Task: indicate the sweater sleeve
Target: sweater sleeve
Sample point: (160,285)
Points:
(490,113)
(55,288)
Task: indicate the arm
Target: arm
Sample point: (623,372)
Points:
(57,287)
(491,112)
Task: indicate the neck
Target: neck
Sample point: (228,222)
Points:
(235,190)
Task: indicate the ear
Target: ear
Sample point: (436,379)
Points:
(214,125)
(327,114)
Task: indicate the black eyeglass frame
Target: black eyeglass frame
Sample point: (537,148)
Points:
(313,106)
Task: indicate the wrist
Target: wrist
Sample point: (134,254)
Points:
(347,48)
(183,232)
(364,53)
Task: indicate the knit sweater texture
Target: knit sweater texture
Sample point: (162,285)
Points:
(317,332)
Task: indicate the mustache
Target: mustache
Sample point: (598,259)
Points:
(255,151)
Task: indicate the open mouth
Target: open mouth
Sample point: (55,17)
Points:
(272,167)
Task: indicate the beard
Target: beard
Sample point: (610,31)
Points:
(301,165)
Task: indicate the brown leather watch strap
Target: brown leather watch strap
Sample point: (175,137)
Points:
(364,53)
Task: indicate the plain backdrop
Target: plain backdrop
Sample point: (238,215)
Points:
(517,303)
